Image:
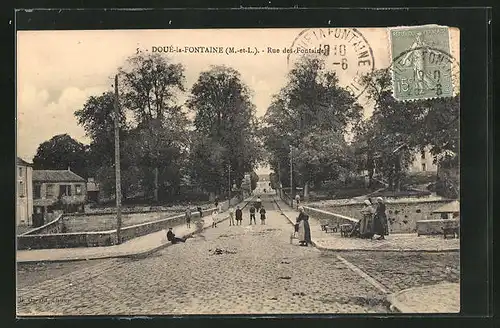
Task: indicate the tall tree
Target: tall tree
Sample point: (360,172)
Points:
(311,109)
(151,83)
(225,120)
(60,153)
(97,118)
(397,130)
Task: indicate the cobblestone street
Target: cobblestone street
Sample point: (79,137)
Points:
(255,270)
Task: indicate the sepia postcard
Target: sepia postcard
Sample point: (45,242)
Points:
(238,171)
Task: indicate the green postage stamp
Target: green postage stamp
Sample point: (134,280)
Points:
(422,66)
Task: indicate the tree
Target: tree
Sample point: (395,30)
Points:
(97,118)
(397,130)
(225,128)
(311,110)
(60,153)
(150,85)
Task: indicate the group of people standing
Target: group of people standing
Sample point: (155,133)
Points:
(254,207)
(374,221)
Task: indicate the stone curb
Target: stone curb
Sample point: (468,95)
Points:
(396,306)
(327,249)
(400,307)
(140,254)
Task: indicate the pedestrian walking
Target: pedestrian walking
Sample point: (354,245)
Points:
(252,214)
(380,224)
(239,215)
(262,215)
(231,216)
(200,211)
(214,218)
(188,216)
(297,200)
(216,202)
(172,238)
(304,233)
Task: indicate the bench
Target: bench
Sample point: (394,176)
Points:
(328,228)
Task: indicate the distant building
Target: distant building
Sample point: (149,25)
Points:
(24,193)
(58,190)
(264,184)
(92,190)
(423,162)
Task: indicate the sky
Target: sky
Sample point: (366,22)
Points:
(58,70)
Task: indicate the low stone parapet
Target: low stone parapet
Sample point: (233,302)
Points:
(50,236)
(435,227)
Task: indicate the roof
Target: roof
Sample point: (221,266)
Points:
(20,161)
(56,176)
(452,207)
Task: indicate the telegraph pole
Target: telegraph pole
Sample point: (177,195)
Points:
(117,165)
(291,175)
(279,179)
(229,170)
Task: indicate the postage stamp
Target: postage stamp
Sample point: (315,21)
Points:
(422,65)
(346,51)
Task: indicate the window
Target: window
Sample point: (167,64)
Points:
(51,192)
(37,191)
(21,189)
(422,154)
(20,169)
(423,167)
(78,189)
(65,190)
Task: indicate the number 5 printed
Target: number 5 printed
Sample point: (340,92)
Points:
(403,85)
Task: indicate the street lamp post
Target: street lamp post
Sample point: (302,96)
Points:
(117,164)
(229,170)
(291,176)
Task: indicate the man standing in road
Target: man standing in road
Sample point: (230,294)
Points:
(188,216)
(262,215)
(239,215)
(252,214)
(231,216)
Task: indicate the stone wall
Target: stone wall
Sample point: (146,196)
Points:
(54,226)
(434,227)
(402,216)
(37,240)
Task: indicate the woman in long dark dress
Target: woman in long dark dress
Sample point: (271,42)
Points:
(380,225)
(304,233)
(366,223)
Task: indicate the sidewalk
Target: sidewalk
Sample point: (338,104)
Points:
(404,242)
(135,247)
(440,298)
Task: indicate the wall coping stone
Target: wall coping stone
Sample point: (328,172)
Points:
(330,213)
(31,232)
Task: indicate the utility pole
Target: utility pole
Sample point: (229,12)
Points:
(117,165)
(279,179)
(229,170)
(291,175)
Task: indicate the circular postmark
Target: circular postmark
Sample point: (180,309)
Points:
(344,50)
(424,73)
